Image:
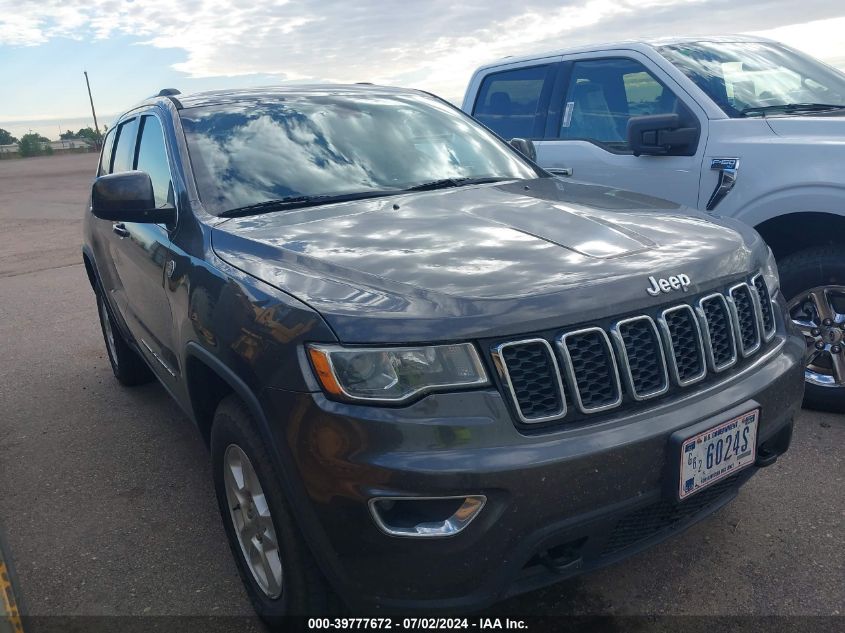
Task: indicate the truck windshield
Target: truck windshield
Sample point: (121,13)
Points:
(756,78)
(264,153)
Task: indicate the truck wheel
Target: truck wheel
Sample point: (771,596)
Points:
(280,574)
(129,368)
(813,282)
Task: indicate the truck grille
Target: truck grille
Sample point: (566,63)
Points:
(637,358)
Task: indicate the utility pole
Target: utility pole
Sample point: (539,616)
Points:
(91,99)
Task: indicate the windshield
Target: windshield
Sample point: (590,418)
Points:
(252,151)
(742,77)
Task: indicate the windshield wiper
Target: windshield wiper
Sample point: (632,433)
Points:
(299,202)
(445,183)
(791,107)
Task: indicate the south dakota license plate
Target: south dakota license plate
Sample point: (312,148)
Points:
(718,453)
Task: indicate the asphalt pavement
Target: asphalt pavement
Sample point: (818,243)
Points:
(107,502)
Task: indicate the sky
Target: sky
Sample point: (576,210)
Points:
(133,48)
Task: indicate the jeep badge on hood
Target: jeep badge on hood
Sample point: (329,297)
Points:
(674,282)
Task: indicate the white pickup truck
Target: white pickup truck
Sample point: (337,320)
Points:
(739,126)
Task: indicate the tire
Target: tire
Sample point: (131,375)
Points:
(819,272)
(303,589)
(128,367)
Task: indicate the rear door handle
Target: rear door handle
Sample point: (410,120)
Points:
(120,229)
(560,171)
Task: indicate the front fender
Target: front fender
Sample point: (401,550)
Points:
(793,199)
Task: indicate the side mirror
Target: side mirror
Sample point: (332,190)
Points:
(128,197)
(524,147)
(661,134)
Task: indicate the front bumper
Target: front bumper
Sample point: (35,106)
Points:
(559,502)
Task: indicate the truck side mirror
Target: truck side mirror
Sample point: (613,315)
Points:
(661,134)
(525,147)
(128,197)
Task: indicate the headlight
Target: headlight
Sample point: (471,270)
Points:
(770,274)
(394,374)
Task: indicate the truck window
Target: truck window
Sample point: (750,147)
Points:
(507,102)
(604,93)
(742,77)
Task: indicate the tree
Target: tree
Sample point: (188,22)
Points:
(32,144)
(89,134)
(66,135)
(6,138)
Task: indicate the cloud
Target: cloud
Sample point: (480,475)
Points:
(433,45)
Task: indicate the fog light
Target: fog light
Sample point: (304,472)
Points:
(425,516)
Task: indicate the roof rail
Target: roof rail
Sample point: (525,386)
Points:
(168,92)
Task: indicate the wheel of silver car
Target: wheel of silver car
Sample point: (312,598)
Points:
(252,521)
(819,313)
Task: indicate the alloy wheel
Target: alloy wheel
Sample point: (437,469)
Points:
(819,313)
(252,521)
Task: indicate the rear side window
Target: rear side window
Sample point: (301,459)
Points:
(508,101)
(124,151)
(105,156)
(152,158)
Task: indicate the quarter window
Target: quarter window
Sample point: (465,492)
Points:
(152,158)
(124,151)
(105,156)
(508,101)
(603,94)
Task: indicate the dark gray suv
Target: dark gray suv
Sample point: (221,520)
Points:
(430,374)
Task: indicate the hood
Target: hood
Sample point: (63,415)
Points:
(825,128)
(482,260)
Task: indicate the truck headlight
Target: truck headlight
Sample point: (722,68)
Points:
(395,374)
(770,274)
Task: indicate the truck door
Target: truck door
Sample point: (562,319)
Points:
(586,131)
(141,251)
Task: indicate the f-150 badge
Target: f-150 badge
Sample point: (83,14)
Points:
(674,282)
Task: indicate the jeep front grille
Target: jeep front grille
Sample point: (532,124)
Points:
(640,357)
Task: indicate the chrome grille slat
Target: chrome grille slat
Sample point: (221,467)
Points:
(745,308)
(641,355)
(594,369)
(684,346)
(593,380)
(548,388)
(718,332)
(767,311)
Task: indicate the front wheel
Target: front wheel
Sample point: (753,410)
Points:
(277,568)
(813,282)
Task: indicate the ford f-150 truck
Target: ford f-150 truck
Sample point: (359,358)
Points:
(430,374)
(737,126)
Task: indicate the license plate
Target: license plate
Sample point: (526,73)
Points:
(718,453)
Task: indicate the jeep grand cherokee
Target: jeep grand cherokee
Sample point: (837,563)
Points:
(430,374)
